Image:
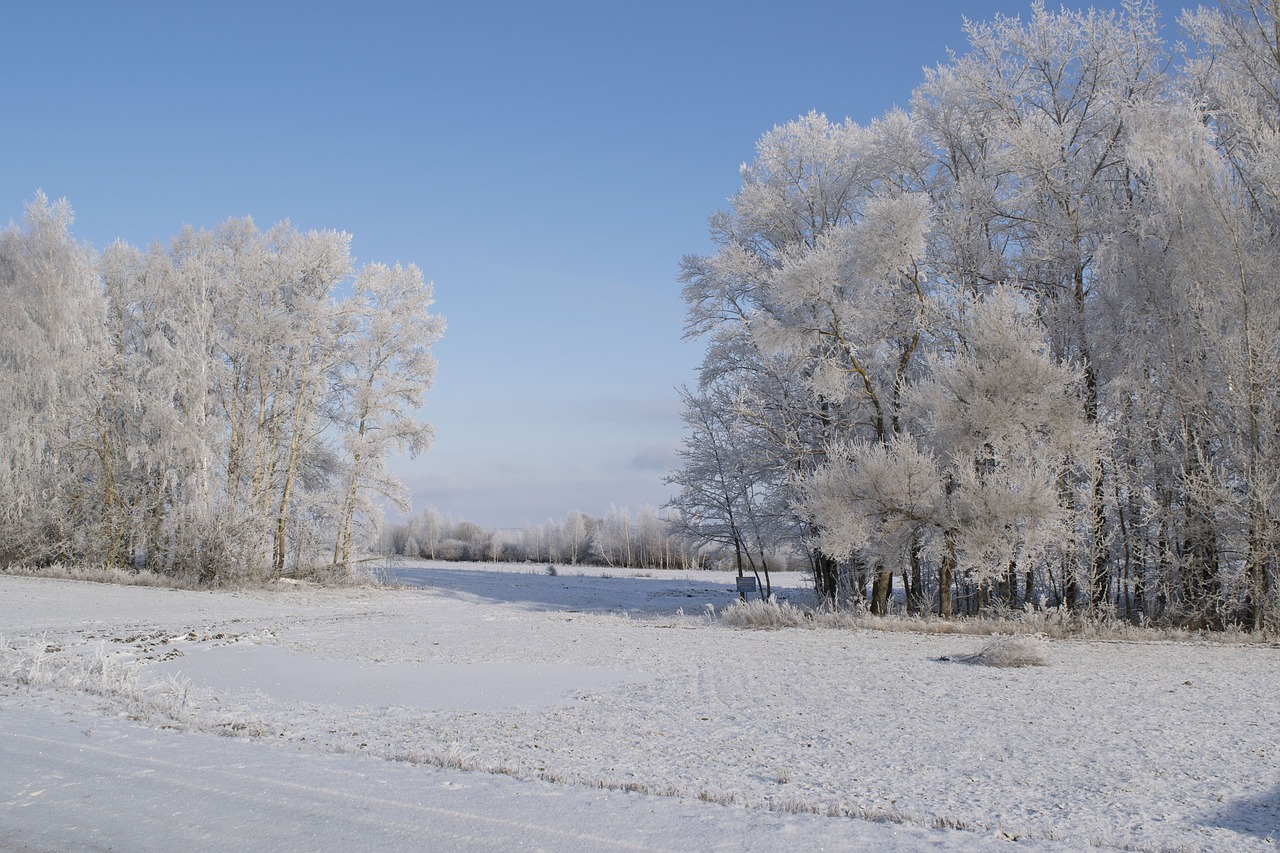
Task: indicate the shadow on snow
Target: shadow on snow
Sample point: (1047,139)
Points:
(1257,816)
(567,592)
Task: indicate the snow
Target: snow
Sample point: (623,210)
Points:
(500,707)
(303,676)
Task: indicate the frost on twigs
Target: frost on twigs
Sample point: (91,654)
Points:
(1007,652)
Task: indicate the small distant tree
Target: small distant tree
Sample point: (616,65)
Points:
(427,528)
(575,536)
(552,541)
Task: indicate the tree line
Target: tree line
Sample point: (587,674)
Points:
(652,539)
(217,408)
(1017,344)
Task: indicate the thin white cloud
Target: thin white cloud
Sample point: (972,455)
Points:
(655,457)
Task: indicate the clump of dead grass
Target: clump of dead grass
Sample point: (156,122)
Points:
(765,614)
(1005,652)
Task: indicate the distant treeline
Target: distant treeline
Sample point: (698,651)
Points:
(650,540)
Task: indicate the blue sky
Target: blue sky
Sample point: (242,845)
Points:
(546,165)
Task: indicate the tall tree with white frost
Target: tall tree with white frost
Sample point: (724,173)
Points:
(384,370)
(1234,275)
(818,272)
(49,330)
(1054,91)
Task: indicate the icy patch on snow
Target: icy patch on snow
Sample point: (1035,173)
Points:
(287,675)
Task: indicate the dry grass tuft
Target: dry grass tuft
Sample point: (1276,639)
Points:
(40,665)
(759,614)
(1007,652)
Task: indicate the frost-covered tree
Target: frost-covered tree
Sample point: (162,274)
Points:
(1029,160)
(814,301)
(384,369)
(49,332)
(976,476)
(1229,260)
(724,482)
(1052,93)
(1007,418)
(214,394)
(426,528)
(575,537)
(1202,371)
(614,537)
(151,445)
(1232,71)
(181,408)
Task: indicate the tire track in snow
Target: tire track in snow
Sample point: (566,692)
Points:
(67,768)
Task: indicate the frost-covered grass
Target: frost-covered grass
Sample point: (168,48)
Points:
(364,573)
(1054,623)
(37,663)
(759,613)
(101,574)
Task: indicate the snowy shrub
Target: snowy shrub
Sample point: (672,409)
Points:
(1007,652)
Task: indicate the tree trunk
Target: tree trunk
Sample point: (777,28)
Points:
(915,592)
(825,577)
(737,555)
(946,571)
(1100,578)
(881,589)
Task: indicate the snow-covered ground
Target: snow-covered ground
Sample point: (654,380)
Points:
(498,707)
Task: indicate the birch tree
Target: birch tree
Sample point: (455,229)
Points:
(724,483)
(49,332)
(385,368)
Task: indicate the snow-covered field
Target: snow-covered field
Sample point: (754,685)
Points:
(484,707)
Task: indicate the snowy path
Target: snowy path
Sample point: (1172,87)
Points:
(564,716)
